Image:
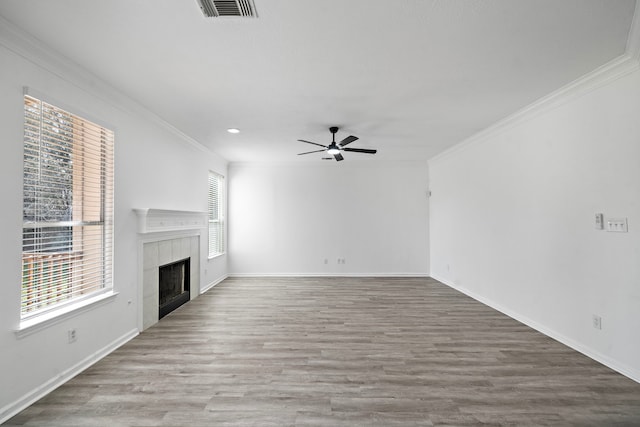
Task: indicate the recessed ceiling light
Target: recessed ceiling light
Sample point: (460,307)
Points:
(233,130)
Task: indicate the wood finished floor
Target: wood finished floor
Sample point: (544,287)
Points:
(339,352)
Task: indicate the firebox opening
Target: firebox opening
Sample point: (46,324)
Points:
(173,286)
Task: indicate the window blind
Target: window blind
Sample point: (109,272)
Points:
(67,208)
(216,214)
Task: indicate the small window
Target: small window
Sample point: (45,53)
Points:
(216,214)
(67,209)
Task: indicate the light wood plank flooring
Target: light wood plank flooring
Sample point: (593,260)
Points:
(339,352)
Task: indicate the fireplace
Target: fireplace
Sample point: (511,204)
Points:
(173,286)
(166,237)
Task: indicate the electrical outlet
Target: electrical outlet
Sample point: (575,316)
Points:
(326,261)
(597,321)
(599,221)
(71,334)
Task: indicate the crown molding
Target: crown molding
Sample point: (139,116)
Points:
(597,78)
(317,164)
(601,76)
(38,53)
(633,41)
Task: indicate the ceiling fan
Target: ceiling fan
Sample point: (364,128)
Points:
(335,149)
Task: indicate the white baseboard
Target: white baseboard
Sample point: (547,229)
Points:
(329,275)
(212,284)
(621,368)
(14,408)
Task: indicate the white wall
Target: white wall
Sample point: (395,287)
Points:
(512,220)
(287,219)
(154,167)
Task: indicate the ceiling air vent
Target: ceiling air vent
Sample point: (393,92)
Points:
(228,8)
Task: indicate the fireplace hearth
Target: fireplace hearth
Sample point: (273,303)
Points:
(173,286)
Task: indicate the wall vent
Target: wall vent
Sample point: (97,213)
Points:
(228,8)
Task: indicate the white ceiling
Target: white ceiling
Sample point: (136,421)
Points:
(410,78)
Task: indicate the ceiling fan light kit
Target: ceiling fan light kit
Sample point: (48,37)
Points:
(334,149)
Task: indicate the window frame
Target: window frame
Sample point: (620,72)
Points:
(102,170)
(218,248)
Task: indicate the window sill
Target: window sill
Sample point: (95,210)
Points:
(217,255)
(38,323)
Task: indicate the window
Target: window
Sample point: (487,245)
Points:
(216,214)
(67,208)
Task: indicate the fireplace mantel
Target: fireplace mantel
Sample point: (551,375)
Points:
(162,220)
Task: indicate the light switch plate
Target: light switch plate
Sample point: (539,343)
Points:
(618,225)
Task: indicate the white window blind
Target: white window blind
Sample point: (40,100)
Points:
(67,208)
(216,214)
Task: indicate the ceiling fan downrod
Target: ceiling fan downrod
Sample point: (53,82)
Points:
(333,148)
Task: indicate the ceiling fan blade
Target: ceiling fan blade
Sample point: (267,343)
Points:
(309,152)
(361,150)
(338,157)
(314,143)
(348,140)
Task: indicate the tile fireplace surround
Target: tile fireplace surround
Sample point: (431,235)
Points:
(165,236)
